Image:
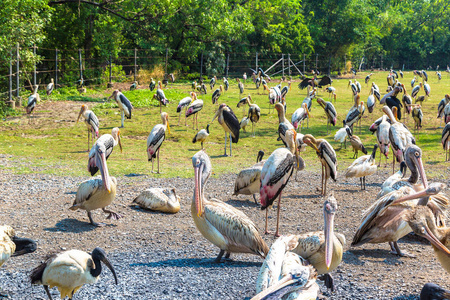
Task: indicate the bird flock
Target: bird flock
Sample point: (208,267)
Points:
(293,263)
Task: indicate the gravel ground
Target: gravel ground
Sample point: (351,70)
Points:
(160,256)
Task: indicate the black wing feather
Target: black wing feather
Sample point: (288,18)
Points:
(305,82)
(233,123)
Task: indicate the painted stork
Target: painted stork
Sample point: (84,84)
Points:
(50,87)
(286,274)
(156,138)
(242,103)
(424,75)
(441,107)
(184,103)
(356,143)
(160,96)
(91,121)
(216,95)
(133,86)
(332,92)
(230,124)
(363,166)
(327,158)
(274,96)
(383,137)
(406,100)
(439,75)
(427,89)
(70,270)
(123,103)
(353,87)
(248,181)
(254,113)
(201,136)
(417,116)
(371,101)
(447,113)
(212,82)
(194,109)
(33,99)
(240,86)
(275,175)
(258,82)
(12,245)
(102,149)
(390,80)
(367,79)
(413,81)
(323,249)
(391,100)
(152,84)
(226,84)
(330,111)
(285,90)
(159,199)
(223,225)
(358,86)
(97,193)
(445,140)
(355,113)
(401,73)
(299,116)
(284,124)
(416,90)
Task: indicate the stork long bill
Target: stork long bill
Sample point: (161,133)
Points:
(120,143)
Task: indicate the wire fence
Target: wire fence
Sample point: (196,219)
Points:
(68,67)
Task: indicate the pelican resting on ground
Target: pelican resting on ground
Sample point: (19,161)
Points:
(327,157)
(124,105)
(156,138)
(285,274)
(223,225)
(158,199)
(94,194)
(323,249)
(362,167)
(12,245)
(91,121)
(230,124)
(201,136)
(102,149)
(275,174)
(248,180)
(70,270)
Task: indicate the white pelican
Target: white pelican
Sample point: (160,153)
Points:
(156,138)
(123,103)
(33,99)
(158,199)
(383,137)
(298,116)
(184,103)
(94,194)
(50,87)
(160,96)
(286,274)
(276,172)
(327,158)
(248,181)
(362,167)
(330,111)
(216,94)
(102,149)
(193,109)
(70,270)
(229,122)
(201,136)
(323,249)
(91,121)
(445,140)
(223,225)
(12,245)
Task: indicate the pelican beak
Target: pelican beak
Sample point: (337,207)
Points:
(101,163)
(423,176)
(272,291)
(120,143)
(434,241)
(107,263)
(329,233)
(433,189)
(198,190)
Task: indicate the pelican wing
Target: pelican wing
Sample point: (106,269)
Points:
(86,190)
(246,179)
(234,226)
(309,243)
(232,123)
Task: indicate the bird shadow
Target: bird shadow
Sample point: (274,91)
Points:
(73,225)
(197,263)
(353,256)
(70,193)
(405,296)
(133,175)
(243,203)
(136,207)
(79,151)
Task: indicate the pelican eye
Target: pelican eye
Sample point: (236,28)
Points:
(417,154)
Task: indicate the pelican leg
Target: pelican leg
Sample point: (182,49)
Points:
(321,186)
(48,292)
(230,145)
(112,215)
(266,231)
(328,281)
(185,118)
(92,221)
(401,253)
(219,257)
(225,154)
(179,118)
(202,145)
(278,214)
(123,117)
(254,198)
(227,255)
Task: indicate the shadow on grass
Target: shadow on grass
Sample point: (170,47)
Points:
(74,226)
(197,263)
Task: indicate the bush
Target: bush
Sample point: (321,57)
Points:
(117,73)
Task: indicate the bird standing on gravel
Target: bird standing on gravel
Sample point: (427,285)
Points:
(156,138)
(223,225)
(70,270)
(91,121)
(123,103)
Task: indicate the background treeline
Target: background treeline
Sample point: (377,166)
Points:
(414,33)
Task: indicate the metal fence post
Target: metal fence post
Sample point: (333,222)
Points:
(201,66)
(282,57)
(329,66)
(10,76)
(135,63)
(228,64)
(110,67)
(345,63)
(304,63)
(381,61)
(167,57)
(34,66)
(18,75)
(289,64)
(81,64)
(317,60)
(56,69)
(256,62)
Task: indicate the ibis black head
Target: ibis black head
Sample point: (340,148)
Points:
(99,255)
(260,156)
(23,246)
(431,291)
